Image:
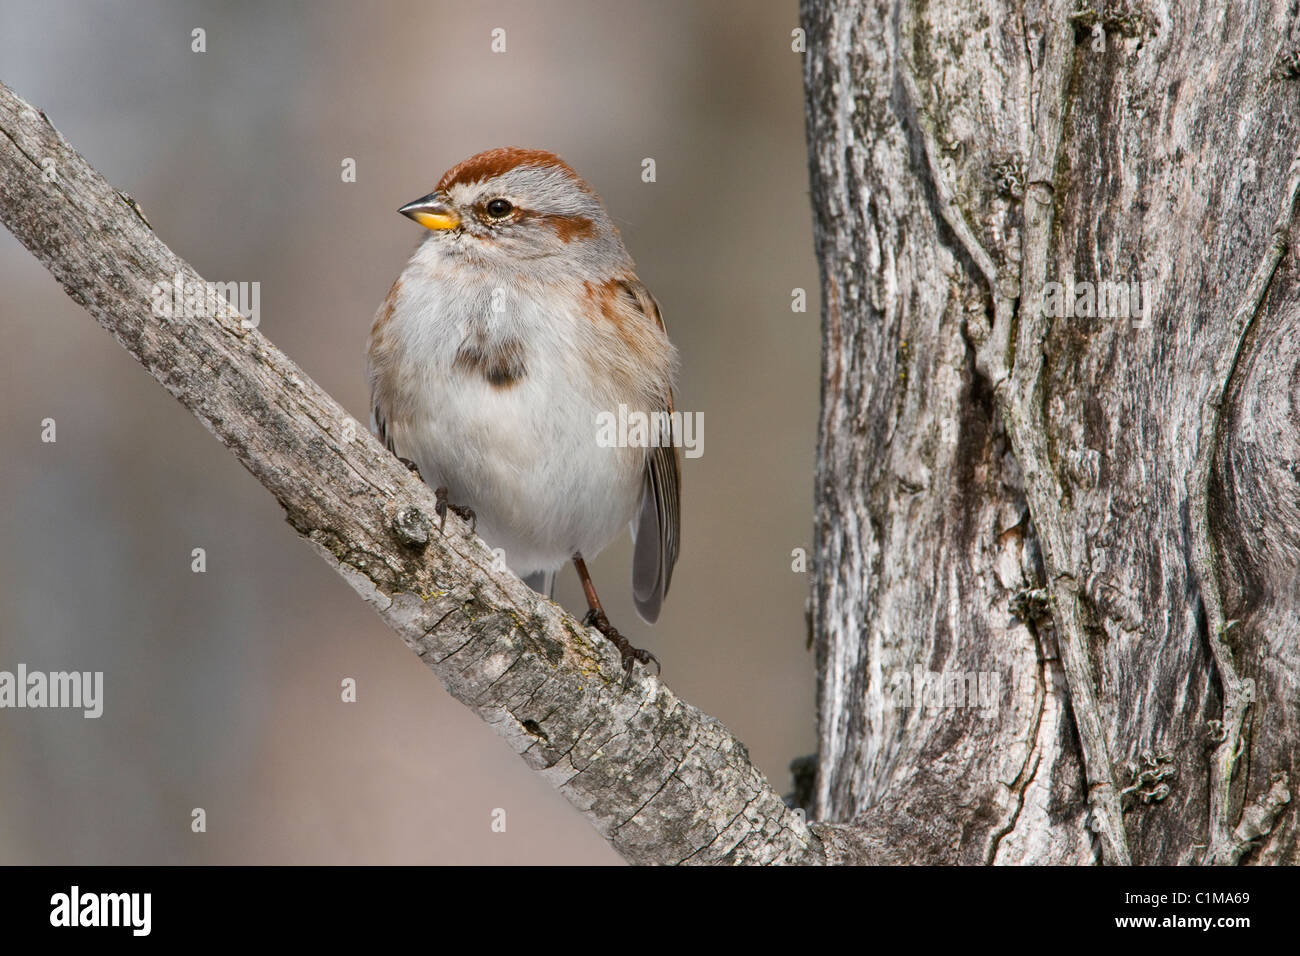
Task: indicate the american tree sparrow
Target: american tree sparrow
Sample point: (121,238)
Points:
(518,320)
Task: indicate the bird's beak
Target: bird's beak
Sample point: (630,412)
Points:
(432,212)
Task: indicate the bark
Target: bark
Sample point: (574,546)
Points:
(1091,522)
(663,782)
(1097,517)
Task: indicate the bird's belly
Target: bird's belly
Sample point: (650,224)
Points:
(525,457)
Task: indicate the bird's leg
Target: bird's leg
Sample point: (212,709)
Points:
(596,618)
(442,506)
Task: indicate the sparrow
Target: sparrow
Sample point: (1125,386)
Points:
(517,322)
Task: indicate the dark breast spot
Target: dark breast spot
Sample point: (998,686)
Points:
(500,364)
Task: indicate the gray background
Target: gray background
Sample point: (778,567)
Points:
(222,689)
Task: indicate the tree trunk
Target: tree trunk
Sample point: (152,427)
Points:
(1056,605)
(1056,590)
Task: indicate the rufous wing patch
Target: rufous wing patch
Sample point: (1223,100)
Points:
(624,310)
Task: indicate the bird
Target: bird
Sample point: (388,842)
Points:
(518,322)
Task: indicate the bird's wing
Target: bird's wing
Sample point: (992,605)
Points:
(543,582)
(377,356)
(378,426)
(656,529)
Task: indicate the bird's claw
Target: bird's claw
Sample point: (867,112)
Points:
(442,506)
(631,655)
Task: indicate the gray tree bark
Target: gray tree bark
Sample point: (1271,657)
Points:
(1091,522)
(1094,519)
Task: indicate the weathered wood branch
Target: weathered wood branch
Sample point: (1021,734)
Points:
(663,782)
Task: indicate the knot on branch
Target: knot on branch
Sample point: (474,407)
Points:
(412,527)
(1032,606)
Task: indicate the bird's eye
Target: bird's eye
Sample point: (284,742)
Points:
(500,208)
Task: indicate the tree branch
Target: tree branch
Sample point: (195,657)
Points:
(663,782)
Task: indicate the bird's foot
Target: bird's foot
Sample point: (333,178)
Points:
(631,655)
(442,506)
(412,467)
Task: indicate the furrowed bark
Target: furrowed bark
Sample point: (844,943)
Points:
(1093,519)
(663,782)
(1100,510)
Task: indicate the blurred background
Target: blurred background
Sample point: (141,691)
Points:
(222,689)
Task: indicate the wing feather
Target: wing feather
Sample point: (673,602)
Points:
(378,360)
(656,530)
